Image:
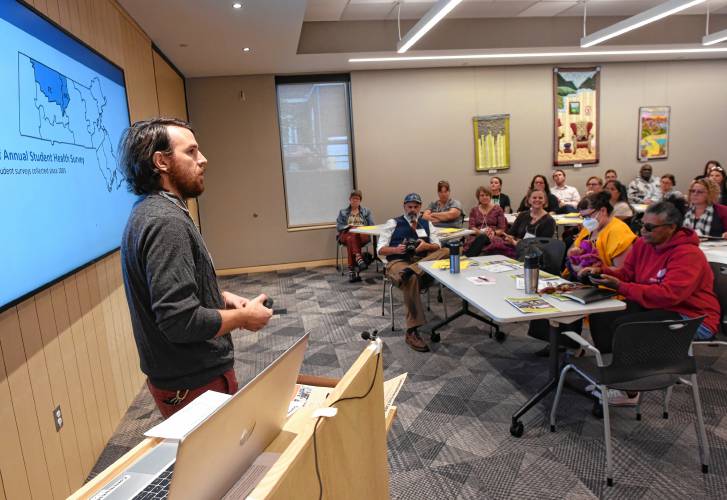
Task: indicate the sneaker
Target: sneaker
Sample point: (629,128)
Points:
(361,264)
(618,398)
(353,277)
(414,341)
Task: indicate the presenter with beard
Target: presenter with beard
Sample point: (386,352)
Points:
(180,319)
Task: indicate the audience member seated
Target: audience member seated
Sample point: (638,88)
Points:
(498,197)
(535,221)
(405,241)
(604,241)
(619,201)
(540,183)
(568,196)
(718,176)
(488,222)
(352,216)
(608,234)
(666,188)
(704,216)
(446,211)
(610,175)
(707,167)
(645,188)
(664,277)
(594,184)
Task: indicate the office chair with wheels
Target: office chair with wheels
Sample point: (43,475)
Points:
(553,253)
(647,356)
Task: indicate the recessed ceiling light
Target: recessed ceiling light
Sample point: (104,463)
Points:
(183,45)
(246,49)
(237,5)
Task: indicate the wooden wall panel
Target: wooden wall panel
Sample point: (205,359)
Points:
(12,462)
(59,386)
(26,417)
(43,397)
(72,344)
(83,366)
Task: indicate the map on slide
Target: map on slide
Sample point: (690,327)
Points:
(59,110)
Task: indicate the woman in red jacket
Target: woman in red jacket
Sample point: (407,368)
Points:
(664,277)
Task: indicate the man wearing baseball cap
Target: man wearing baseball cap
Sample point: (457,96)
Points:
(405,241)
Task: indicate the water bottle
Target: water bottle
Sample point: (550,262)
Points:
(532,269)
(454,257)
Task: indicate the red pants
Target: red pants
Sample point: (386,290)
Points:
(170,402)
(353,242)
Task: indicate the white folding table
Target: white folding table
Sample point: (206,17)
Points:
(490,299)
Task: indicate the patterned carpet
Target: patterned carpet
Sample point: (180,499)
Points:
(451,437)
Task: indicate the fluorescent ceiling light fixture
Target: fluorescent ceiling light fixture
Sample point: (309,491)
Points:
(427,22)
(719,36)
(648,16)
(534,55)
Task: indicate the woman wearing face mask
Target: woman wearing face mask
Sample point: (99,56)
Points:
(605,240)
(609,236)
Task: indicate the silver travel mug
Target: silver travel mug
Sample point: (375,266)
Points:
(531,272)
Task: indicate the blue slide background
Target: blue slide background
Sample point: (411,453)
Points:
(54,223)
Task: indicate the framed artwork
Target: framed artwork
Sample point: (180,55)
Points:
(492,142)
(653,133)
(576,94)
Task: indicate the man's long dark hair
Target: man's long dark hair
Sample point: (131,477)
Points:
(138,145)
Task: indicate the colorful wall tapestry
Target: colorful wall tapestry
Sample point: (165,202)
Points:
(492,142)
(653,133)
(575,100)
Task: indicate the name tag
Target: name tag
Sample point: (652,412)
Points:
(528,235)
(421,233)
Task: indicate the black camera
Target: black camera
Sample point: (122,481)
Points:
(410,245)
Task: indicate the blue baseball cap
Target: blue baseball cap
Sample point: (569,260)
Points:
(413,198)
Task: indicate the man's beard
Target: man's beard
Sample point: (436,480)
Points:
(185,182)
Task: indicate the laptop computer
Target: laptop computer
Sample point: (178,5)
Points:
(208,461)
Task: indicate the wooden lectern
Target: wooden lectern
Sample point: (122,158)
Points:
(329,457)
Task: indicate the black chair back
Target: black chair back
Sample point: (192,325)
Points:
(648,348)
(720,289)
(553,252)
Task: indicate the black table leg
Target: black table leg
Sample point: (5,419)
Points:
(465,311)
(517,428)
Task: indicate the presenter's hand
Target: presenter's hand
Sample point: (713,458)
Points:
(233,301)
(256,314)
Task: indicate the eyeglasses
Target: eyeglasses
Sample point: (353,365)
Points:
(587,215)
(697,191)
(592,184)
(650,227)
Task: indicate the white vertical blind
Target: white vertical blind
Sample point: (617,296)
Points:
(315,136)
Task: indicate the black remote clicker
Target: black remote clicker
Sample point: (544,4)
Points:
(268,303)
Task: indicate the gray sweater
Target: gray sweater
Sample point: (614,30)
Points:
(173,297)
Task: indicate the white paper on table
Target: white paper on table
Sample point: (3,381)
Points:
(542,283)
(481,280)
(499,267)
(252,476)
(181,423)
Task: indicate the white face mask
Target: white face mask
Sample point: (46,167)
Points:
(590,224)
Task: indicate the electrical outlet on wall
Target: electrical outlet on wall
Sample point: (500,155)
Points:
(58,418)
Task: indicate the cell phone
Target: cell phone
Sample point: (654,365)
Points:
(595,278)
